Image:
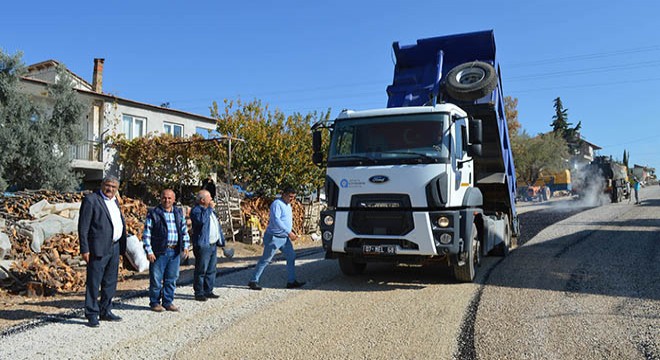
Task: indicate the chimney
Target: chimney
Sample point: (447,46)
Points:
(97,81)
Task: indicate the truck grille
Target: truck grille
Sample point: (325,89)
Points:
(378,214)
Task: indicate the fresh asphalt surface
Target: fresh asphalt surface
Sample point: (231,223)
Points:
(583,285)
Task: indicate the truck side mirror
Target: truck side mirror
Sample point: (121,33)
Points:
(476,132)
(316,141)
(317,155)
(474,150)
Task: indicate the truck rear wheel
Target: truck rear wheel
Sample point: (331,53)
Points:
(467,271)
(350,267)
(471,81)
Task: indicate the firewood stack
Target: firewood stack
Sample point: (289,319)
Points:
(59,267)
(135,213)
(260,207)
(17,207)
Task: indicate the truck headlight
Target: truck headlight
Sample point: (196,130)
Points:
(445,239)
(443,221)
(327,235)
(328,220)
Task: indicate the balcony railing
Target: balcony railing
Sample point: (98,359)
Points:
(89,150)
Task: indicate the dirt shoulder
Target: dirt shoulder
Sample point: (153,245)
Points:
(17,309)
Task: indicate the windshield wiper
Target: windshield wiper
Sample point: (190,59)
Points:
(419,155)
(353,157)
(350,157)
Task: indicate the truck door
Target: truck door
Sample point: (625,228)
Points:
(463,167)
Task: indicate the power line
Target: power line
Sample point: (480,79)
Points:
(585,71)
(654,137)
(636,81)
(514,79)
(587,56)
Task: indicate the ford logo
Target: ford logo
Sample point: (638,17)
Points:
(379,179)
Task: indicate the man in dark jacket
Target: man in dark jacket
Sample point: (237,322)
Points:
(207,234)
(165,238)
(102,234)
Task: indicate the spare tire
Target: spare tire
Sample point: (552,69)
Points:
(471,81)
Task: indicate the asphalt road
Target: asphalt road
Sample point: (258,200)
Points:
(584,284)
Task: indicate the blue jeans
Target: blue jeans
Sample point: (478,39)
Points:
(162,277)
(271,245)
(206,258)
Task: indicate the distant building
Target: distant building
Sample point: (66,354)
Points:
(585,154)
(107,114)
(643,173)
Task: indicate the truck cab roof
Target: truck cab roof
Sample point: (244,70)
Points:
(350,114)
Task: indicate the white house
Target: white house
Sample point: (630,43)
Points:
(107,114)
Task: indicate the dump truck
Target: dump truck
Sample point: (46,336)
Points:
(605,175)
(429,178)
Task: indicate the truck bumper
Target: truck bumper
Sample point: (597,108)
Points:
(425,239)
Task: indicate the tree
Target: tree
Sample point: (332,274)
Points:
(36,137)
(544,152)
(560,119)
(12,107)
(153,163)
(560,125)
(511,112)
(277,148)
(625,158)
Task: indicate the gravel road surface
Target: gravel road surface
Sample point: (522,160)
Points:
(583,288)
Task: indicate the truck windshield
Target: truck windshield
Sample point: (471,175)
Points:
(397,139)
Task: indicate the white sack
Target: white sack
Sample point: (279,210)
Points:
(136,254)
(6,264)
(5,245)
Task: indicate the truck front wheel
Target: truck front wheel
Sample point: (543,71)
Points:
(467,271)
(350,267)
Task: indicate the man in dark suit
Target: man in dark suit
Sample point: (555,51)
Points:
(102,233)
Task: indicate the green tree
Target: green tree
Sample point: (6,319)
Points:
(152,163)
(12,107)
(561,126)
(36,136)
(277,148)
(533,155)
(625,158)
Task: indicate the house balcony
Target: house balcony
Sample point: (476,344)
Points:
(88,155)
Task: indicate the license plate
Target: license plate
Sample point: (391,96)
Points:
(378,249)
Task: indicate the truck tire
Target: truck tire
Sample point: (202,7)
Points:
(471,81)
(503,248)
(467,271)
(350,267)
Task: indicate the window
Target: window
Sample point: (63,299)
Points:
(206,133)
(175,130)
(133,126)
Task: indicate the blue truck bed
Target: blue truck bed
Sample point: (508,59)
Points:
(418,80)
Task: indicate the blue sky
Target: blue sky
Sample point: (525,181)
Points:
(601,57)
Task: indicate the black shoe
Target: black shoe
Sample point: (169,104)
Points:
(110,317)
(253,285)
(93,321)
(294,285)
(200,298)
(212,296)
